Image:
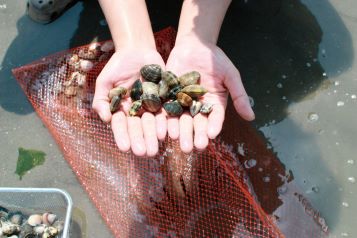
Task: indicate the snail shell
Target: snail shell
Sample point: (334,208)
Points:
(151,73)
(184,99)
(206,108)
(88,54)
(86,65)
(194,90)
(16,218)
(50,232)
(73,60)
(163,89)
(70,91)
(27,231)
(115,103)
(136,108)
(173,108)
(173,92)
(39,229)
(136,90)
(34,220)
(48,218)
(189,78)
(151,102)
(118,91)
(170,78)
(195,108)
(8,228)
(107,46)
(150,88)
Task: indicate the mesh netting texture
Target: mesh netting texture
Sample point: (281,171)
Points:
(215,193)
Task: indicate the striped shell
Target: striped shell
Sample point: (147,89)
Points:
(184,99)
(173,92)
(151,102)
(170,78)
(173,108)
(151,73)
(118,91)
(189,78)
(195,108)
(136,91)
(136,108)
(115,103)
(194,90)
(206,108)
(163,89)
(150,88)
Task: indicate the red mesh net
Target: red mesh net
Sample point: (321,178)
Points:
(220,192)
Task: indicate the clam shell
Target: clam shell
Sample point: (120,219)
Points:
(136,108)
(170,78)
(59,225)
(86,65)
(195,108)
(194,90)
(118,91)
(39,229)
(151,102)
(48,218)
(189,78)
(174,91)
(150,88)
(206,108)
(34,220)
(8,228)
(173,108)
(107,46)
(115,103)
(136,90)
(50,232)
(151,73)
(163,89)
(16,218)
(27,231)
(184,99)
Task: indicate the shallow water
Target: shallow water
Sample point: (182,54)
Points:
(297,62)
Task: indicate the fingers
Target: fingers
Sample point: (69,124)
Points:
(173,127)
(101,100)
(161,126)
(215,121)
(120,130)
(135,131)
(200,127)
(186,130)
(149,127)
(239,96)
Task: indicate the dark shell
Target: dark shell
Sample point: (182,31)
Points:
(136,90)
(195,108)
(3,212)
(163,89)
(184,99)
(189,78)
(16,217)
(173,92)
(150,88)
(89,54)
(206,108)
(170,78)
(115,103)
(151,102)
(118,91)
(173,108)
(136,108)
(194,90)
(151,73)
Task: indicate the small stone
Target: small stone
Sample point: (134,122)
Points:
(345,204)
(266,179)
(315,189)
(340,103)
(313,117)
(351,179)
(250,163)
(350,161)
(279,85)
(353,96)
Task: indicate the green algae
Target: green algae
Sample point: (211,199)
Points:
(27,160)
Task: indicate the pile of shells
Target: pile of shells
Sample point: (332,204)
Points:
(17,225)
(83,62)
(162,89)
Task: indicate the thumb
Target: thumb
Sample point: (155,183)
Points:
(239,96)
(101,100)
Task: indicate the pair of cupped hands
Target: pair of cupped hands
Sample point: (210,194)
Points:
(142,134)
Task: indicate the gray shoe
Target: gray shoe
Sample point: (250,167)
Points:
(46,11)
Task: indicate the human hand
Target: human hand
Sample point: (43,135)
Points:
(219,76)
(139,134)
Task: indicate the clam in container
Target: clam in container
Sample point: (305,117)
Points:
(39,200)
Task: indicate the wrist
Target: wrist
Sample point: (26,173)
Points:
(193,39)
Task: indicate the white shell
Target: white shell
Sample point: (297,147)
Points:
(94,46)
(48,218)
(86,65)
(39,229)
(107,46)
(34,220)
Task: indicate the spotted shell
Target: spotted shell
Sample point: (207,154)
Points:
(173,108)
(170,78)
(151,102)
(195,108)
(151,73)
(189,78)
(194,90)
(136,90)
(118,91)
(136,108)
(163,89)
(173,92)
(206,108)
(150,88)
(115,103)
(184,99)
